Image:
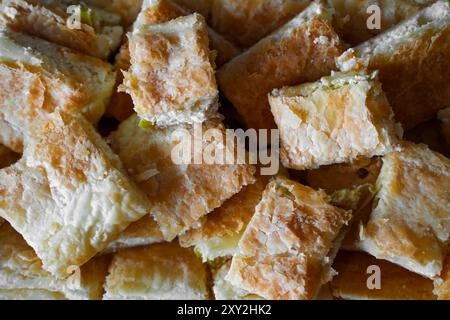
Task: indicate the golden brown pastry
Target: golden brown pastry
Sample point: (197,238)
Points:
(442,283)
(288,247)
(68,196)
(335,120)
(412,60)
(410,223)
(98,33)
(127,9)
(353,271)
(171,79)
(351,16)
(344,175)
(220,231)
(22,275)
(303,50)
(156,272)
(246,22)
(40,77)
(180,194)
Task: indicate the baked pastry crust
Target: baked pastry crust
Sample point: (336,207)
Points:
(224,290)
(350,18)
(246,22)
(442,283)
(280,60)
(127,9)
(68,195)
(179,194)
(288,247)
(409,225)
(156,272)
(22,275)
(338,119)
(412,60)
(47,19)
(41,77)
(220,231)
(163,58)
(156,12)
(350,282)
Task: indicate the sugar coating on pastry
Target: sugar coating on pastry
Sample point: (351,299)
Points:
(246,22)
(180,194)
(41,77)
(335,120)
(156,272)
(220,231)
(410,223)
(68,196)
(303,50)
(224,290)
(289,245)
(444,117)
(412,62)
(98,33)
(351,16)
(354,271)
(22,273)
(171,79)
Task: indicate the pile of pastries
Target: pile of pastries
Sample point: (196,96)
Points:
(94,92)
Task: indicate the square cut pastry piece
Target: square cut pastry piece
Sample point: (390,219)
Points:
(410,224)
(68,196)
(289,245)
(156,272)
(181,191)
(303,50)
(22,273)
(157,12)
(338,119)
(37,77)
(171,79)
(96,32)
(412,60)
(396,283)
(220,231)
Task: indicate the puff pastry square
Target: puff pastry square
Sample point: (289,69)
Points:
(99,32)
(335,120)
(412,60)
(350,282)
(303,50)
(288,247)
(41,77)
(179,194)
(171,79)
(156,272)
(22,275)
(410,223)
(220,231)
(68,196)
(246,22)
